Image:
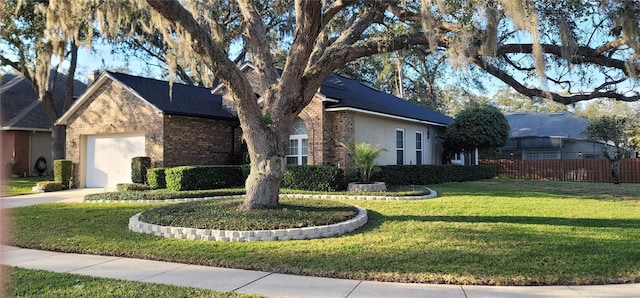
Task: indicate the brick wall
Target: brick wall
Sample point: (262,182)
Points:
(313,118)
(197,141)
(112,110)
(339,126)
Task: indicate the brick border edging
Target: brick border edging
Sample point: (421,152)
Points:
(431,195)
(261,235)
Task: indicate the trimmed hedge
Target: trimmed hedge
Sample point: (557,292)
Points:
(314,177)
(433,174)
(132,187)
(156,178)
(139,167)
(62,172)
(203,177)
(48,186)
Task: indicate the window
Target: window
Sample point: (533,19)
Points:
(418,147)
(399,146)
(533,155)
(298,144)
(457,158)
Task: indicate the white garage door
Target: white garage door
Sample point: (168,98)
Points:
(109,158)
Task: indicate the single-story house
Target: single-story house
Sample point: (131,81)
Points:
(25,131)
(557,135)
(122,116)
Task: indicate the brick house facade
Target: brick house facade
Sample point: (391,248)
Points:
(112,108)
(198,126)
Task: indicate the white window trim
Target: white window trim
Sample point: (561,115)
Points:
(299,138)
(404,145)
(421,150)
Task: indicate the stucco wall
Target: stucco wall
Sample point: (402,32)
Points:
(39,145)
(378,130)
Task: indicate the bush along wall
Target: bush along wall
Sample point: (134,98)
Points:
(62,172)
(156,178)
(139,167)
(314,178)
(433,174)
(203,177)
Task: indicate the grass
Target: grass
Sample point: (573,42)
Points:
(226,215)
(492,232)
(39,283)
(22,186)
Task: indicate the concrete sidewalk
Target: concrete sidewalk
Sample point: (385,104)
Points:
(277,285)
(257,282)
(65,196)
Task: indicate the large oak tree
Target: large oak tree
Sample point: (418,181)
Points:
(567,51)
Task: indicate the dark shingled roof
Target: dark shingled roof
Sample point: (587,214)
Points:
(19,103)
(181,99)
(351,93)
(534,124)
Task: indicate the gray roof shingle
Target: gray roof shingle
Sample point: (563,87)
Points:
(535,124)
(351,93)
(19,103)
(181,99)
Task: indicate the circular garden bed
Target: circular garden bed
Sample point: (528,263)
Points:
(222,220)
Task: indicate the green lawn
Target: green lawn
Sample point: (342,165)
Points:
(39,283)
(22,186)
(503,232)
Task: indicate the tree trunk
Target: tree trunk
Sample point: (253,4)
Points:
(267,144)
(263,183)
(615,170)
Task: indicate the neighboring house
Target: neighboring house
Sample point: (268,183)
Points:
(122,116)
(549,136)
(26,130)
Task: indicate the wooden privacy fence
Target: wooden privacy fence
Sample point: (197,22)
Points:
(591,170)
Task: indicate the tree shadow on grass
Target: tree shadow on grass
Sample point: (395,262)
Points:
(528,220)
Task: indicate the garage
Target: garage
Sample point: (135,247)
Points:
(109,158)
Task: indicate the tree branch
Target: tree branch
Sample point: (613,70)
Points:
(332,11)
(213,56)
(256,36)
(534,92)
(581,56)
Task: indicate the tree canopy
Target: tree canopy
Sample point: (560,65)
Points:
(617,132)
(481,127)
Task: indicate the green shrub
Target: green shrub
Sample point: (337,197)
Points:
(156,178)
(433,174)
(246,169)
(203,177)
(314,177)
(48,186)
(62,171)
(139,167)
(132,187)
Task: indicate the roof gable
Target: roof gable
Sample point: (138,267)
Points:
(535,124)
(21,109)
(169,99)
(176,99)
(352,94)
